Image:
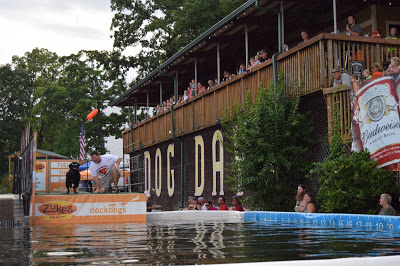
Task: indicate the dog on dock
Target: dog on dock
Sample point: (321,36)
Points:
(73,177)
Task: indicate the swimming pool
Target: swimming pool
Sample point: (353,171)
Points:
(191,238)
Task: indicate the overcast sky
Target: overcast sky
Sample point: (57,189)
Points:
(61,26)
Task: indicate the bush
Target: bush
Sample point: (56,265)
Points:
(269,139)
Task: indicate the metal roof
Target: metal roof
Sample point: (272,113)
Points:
(187,48)
(46,153)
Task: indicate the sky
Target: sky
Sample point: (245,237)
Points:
(61,26)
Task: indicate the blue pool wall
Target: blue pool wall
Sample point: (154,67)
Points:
(359,221)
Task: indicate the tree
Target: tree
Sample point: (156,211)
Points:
(15,101)
(349,182)
(269,139)
(162,27)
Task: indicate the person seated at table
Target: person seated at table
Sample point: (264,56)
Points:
(352,27)
(236,205)
(367,74)
(393,68)
(310,200)
(385,200)
(377,70)
(340,78)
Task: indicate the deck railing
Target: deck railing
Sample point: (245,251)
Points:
(307,69)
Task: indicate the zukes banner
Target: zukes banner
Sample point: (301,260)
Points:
(88,208)
(376,119)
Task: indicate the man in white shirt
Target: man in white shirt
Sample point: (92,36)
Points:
(105,168)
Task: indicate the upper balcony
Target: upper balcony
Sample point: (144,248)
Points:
(307,68)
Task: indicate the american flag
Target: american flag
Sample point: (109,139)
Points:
(82,145)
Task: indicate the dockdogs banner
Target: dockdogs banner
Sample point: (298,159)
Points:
(88,208)
(376,119)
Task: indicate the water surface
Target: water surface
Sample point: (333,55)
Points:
(187,243)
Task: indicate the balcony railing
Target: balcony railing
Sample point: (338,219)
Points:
(307,69)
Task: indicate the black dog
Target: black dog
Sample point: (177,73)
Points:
(73,177)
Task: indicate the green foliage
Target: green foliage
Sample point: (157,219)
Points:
(349,182)
(163,27)
(15,100)
(269,139)
(55,94)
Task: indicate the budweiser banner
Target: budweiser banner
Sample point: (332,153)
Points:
(376,119)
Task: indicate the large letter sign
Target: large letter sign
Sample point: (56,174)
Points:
(218,166)
(170,173)
(199,185)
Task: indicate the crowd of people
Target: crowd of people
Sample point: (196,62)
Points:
(201,204)
(352,28)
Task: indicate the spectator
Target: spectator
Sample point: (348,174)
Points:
(202,202)
(242,69)
(310,200)
(236,205)
(191,205)
(186,95)
(300,201)
(227,76)
(263,56)
(197,206)
(221,204)
(201,88)
(252,62)
(377,70)
(385,200)
(393,35)
(352,27)
(340,78)
(355,82)
(256,60)
(210,207)
(211,84)
(367,74)
(216,81)
(304,36)
(393,68)
(285,48)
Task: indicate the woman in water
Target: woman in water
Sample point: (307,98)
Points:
(300,202)
(310,200)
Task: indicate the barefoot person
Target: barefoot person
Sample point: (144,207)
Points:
(104,168)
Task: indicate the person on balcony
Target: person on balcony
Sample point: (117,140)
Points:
(263,56)
(385,200)
(211,84)
(200,87)
(304,36)
(367,74)
(377,70)
(393,35)
(340,78)
(393,68)
(352,27)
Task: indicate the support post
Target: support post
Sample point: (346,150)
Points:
(246,44)
(160,92)
(218,65)
(334,17)
(195,74)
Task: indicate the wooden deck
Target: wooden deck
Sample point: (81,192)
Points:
(307,69)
